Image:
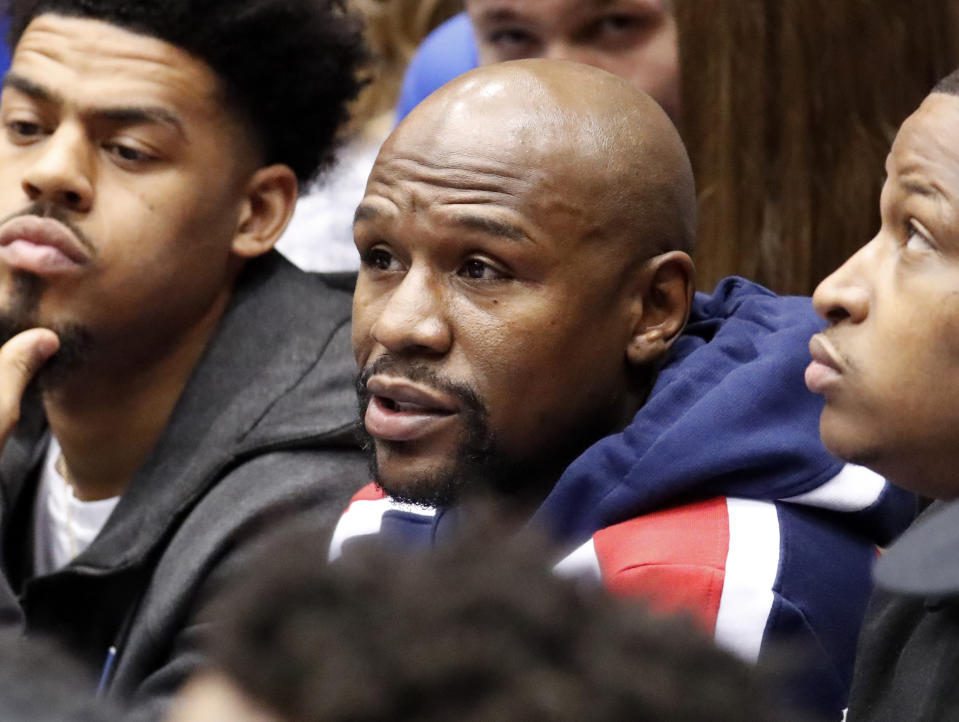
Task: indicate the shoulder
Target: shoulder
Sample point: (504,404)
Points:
(906,660)
(699,558)
(732,563)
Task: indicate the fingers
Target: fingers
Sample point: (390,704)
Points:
(20,358)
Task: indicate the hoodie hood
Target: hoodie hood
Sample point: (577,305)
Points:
(729,415)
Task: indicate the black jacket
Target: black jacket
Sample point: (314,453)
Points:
(907,662)
(263,433)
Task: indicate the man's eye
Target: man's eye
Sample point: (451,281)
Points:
(480,270)
(619,23)
(378,259)
(917,238)
(511,41)
(127,153)
(23,129)
(619,27)
(509,36)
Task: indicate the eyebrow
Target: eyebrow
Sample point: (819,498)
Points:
(28,87)
(491,226)
(366,213)
(127,115)
(920,189)
(483,224)
(136,114)
(498,14)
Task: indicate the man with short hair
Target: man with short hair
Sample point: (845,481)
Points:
(635,39)
(888,368)
(520,320)
(202,390)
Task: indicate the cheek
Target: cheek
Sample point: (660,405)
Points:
(654,68)
(164,209)
(364,315)
(910,382)
(949,325)
(924,345)
(531,374)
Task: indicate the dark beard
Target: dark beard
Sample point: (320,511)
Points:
(477,465)
(21,315)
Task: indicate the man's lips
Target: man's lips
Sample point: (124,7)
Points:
(401,410)
(42,246)
(826,367)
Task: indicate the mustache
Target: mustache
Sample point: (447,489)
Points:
(420,373)
(46,209)
(847,363)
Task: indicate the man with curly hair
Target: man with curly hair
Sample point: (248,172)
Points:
(198,387)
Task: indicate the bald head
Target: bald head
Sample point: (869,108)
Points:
(523,241)
(576,128)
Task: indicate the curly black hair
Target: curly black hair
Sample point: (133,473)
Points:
(289,67)
(478,630)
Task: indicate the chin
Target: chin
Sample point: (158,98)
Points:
(423,485)
(847,441)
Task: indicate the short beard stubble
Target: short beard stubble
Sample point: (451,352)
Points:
(22,314)
(477,465)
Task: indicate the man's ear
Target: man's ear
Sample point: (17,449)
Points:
(267,208)
(665,296)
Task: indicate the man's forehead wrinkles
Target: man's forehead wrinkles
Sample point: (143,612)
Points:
(463,172)
(52,41)
(925,175)
(405,195)
(142,62)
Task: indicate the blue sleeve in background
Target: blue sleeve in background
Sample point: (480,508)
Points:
(446,52)
(4,51)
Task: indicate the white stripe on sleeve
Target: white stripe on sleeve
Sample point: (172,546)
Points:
(752,564)
(854,488)
(581,563)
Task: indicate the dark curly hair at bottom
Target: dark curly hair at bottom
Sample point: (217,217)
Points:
(477,630)
(289,67)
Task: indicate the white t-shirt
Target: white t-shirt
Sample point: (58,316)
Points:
(320,234)
(63,525)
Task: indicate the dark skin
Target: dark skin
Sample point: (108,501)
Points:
(888,363)
(543,268)
(124,137)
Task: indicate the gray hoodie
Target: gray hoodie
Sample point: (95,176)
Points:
(262,435)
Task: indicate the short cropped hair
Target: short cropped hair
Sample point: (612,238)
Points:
(478,630)
(949,84)
(288,67)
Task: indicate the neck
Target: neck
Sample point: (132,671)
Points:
(109,414)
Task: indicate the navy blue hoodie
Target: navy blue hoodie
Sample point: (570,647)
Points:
(719,498)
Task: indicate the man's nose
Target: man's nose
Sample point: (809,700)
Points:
(414,318)
(61,170)
(562,49)
(844,294)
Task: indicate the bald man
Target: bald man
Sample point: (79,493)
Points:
(525,325)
